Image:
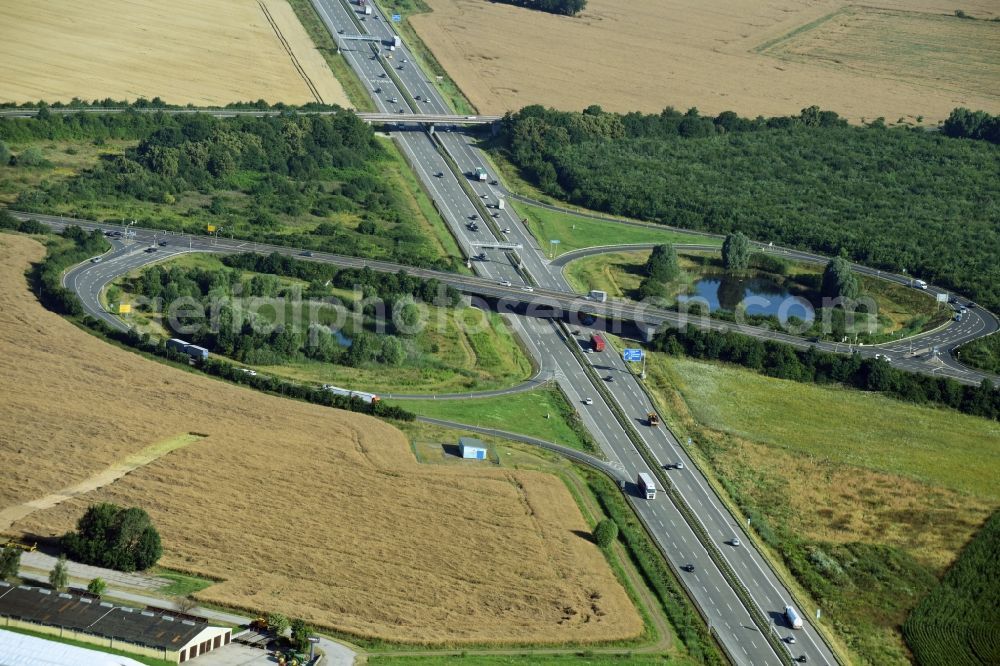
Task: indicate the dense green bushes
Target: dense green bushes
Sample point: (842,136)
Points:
(111,536)
(304,180)
(982,353)
(777,359)
(897,199)
(958,623)
(45,277)
(565,7)
(967,124)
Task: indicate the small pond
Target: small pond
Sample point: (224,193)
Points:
(759,296)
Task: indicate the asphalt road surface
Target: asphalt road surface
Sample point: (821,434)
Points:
(547,341)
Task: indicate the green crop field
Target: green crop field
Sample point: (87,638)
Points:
(542,413)
(863,500)
(938,446)
(958,623)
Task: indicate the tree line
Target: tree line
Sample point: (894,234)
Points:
(783,361)
(966,124)
(899,199)
(563,7)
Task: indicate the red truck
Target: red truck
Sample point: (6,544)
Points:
(597,342)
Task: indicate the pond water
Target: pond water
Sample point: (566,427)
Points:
(759,296)
(342,339)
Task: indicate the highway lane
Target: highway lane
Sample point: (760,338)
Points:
(543,339)
(723,609)
(600,420)
(729,619)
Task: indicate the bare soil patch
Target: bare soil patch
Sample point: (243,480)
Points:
(300,509)
(184,51)
(648,54)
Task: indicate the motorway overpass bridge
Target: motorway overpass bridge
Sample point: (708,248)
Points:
(638,320)
(373,118)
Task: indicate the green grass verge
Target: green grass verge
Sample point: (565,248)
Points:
(355,90)
(619,274)
(544,413)
(691,629)
(66,641)
(181,584)
(575,231)
(455,353)
(937,446)
(422,206)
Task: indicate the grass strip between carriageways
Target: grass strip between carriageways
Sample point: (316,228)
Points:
(480,208)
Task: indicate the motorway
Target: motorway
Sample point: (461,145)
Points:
(730,620)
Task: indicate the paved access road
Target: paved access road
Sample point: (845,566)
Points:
(730,620)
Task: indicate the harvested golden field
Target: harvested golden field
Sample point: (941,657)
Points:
(647,54)
(184,51)
(305,510)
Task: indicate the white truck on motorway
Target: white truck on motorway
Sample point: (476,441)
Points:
(794,621)
(646,486)
(919,284)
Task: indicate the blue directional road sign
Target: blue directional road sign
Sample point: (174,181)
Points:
(397,18)
(632,354)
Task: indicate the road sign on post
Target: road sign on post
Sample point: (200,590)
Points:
(396,18)
(632,354)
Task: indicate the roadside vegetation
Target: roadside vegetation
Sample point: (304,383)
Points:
(901,310)
(75,245)
(982,353)
(956,623)
(777,359)
(808,181)
(585,657)
(578,231)
(543,413)
(862,499)
(322,182)
(311,322)
(355,90)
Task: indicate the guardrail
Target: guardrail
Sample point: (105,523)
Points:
(481,208)
(739,524)
(756,614)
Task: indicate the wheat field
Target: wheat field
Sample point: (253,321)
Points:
(183,51)
(300,509)
(647,54)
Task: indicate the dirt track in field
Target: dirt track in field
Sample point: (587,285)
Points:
(309,511)
(645,55)
(184,51)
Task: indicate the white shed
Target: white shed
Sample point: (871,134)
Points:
(472,448)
